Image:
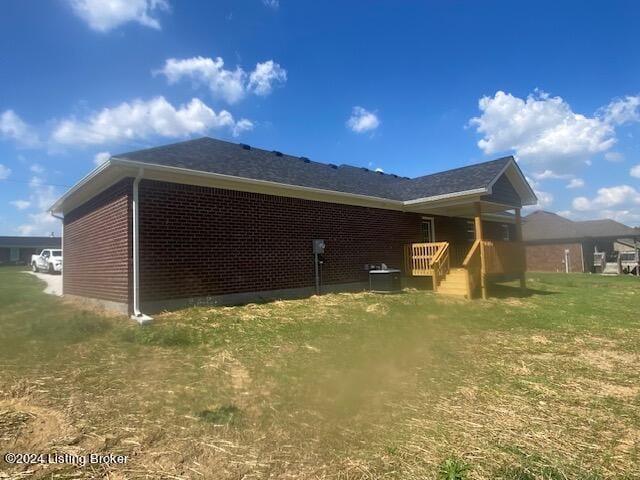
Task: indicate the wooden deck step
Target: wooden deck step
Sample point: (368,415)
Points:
(455,283)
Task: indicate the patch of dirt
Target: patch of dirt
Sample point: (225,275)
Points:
(624,392)
(378,308)
(520,369)
(516,302)
(607,360)
(540,339)
(224,361)
(240,378)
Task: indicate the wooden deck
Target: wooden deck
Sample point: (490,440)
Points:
(485,257)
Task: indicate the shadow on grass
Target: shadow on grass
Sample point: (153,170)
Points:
(497,290)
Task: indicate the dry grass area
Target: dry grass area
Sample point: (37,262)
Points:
(345,386)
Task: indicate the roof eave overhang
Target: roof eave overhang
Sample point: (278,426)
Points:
(115,169)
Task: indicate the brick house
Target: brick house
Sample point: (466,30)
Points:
(18,250)
(557,244)
(217,222)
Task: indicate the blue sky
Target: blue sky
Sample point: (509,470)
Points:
(409,87)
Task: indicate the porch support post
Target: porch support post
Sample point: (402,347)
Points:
(523,259)
(480,236)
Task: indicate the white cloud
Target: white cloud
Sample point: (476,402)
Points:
(622,111)
(105,15)
(614,157)
(628,216)
(362,120)
(145,119)
(550,174)
(39,224)
(229,85)
(545,199)
(14,128)
(36,168)
(264,76)
(543,131)
(20,204)
(4,172)
(271,3)
(241,126)
(100,158)
(635,171)
(41,197)
(621,196)
(223,83)
(379,170)
(575,183)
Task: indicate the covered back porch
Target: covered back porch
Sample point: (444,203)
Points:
(490,249)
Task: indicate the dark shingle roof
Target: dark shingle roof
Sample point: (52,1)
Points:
(604,228)
(457,180)
(217,156)
(541,225)
(30,242)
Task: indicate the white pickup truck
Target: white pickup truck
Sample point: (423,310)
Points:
(49,260)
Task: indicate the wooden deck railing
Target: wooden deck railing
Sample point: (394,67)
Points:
(434,259)
(440,265)
(503,257)
(473,265)
(419,257)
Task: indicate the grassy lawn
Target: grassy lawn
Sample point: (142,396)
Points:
(343,386)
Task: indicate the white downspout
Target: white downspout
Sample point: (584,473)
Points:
(138,316)
(61,250)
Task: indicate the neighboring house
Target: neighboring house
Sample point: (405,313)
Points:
(18,250)
(557,244)
(212,221)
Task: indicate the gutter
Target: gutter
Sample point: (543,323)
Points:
(138,316)
(251,181)
(61,249)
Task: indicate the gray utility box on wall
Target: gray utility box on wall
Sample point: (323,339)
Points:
(385,281)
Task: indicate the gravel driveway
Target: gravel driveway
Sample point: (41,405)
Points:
(54,283)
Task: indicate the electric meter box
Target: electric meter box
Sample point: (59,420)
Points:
(318,247)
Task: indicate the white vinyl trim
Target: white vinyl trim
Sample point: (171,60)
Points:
(445,196)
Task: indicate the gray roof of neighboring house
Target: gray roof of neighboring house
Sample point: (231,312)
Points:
(541,225)
(30,242)
(217,156)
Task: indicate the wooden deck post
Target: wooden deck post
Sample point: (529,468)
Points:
(523,259)
(480,236)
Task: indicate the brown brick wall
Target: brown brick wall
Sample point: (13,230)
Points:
(199,241)
(97,246)
(550,257)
